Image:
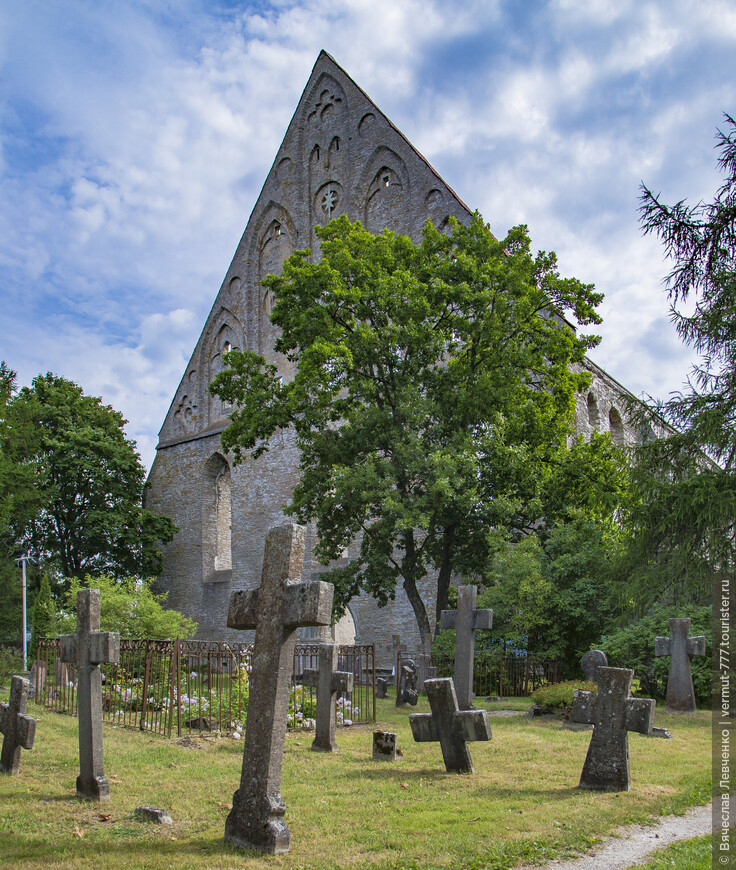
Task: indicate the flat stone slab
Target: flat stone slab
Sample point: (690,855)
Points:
(153,814)
(505,712)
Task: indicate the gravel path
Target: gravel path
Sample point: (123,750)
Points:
(631,845)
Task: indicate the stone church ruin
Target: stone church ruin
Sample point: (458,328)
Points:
(340,155)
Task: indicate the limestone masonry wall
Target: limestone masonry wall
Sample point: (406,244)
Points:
(340,155)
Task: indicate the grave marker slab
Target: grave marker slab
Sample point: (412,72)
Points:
(591,661)
(281,604)
(466,620)
(406,684)
(88,649)
(452,727)
(680,691)
(18,728)
(328,681)
(613,713)
(384,746)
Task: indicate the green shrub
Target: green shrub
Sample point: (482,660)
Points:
(558,695)
(11,662)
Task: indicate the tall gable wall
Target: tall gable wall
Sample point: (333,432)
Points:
(340,155)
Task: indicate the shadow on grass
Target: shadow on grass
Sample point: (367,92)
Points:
(134,851)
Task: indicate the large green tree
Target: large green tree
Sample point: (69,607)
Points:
(79,483)
(684,522)
(432,397)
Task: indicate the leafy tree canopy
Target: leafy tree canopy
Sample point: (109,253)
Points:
(683,524)
(129,607)
(76,484)
(432,396)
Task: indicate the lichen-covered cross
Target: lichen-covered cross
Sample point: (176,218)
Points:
(466,620)
(88,649)
(680,691)
(328,681)
(281,604)
(18,729)
(452,727)
(612,713)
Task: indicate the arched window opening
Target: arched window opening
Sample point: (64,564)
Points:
(594,417)
(617,427)
(217,519)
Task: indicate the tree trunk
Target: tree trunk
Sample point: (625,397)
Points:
(409,566)
(443,580)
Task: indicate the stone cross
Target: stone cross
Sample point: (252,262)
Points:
(88,649)
(19,729)
(465,620)
(680,692)
(591,661)
(453,727)
(613,713)
(275,610)
(328,681)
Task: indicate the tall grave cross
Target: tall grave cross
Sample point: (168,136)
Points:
(281,604)
(452,727)
(328,681)
(88,649)
(680,692)
(613,713)
(18,728)
(466,620)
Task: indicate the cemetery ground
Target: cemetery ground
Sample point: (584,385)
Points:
(344,810)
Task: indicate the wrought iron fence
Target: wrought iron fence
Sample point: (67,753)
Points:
(503,675)
(181,687)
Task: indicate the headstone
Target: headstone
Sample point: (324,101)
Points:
(406,684)
(466,620)
(88,649)
(680,692)
(18,729)
(328,681)
(613,713)
(591,661)
(275,610)
(452,727)
(384,746)
(381,687)
(37,679)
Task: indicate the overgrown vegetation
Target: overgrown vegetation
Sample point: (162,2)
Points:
(560,695)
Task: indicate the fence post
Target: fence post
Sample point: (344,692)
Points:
(500,675)
(178,688)
(146,677)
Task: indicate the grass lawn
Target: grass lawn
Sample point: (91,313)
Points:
(343,810)
(693,854)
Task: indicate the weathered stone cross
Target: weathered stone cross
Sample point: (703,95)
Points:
(19,729)
(613,713)
(276,609)
(328,681)
(680,692)
(453,728)
(466,620)
(88,649)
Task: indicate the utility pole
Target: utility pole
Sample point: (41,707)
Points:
(25,557)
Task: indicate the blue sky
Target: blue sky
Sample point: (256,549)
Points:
(135,136)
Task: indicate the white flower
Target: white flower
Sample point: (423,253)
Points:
(348,722)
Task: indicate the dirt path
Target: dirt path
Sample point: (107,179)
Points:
(633,844)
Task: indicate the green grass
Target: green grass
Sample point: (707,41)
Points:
(344,811)
(688,855)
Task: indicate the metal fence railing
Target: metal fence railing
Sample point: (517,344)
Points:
(503,675)
(182,687)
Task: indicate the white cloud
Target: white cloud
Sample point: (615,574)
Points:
(132,156)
